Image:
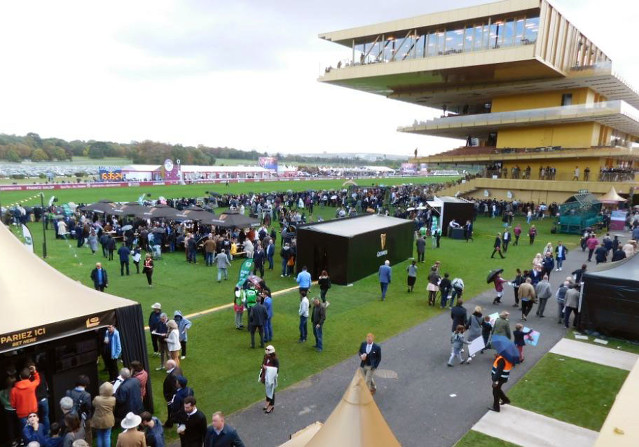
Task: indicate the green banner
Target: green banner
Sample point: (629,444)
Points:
(245,270)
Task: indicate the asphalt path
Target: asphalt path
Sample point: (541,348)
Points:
(425,402)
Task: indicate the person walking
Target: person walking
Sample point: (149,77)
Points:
(543,290)
(209,250)
(519,336)
(457,290)
(267,300)
(497,246)
(370,355)
(505,239)
(148,269)
(517,233)
(238,307)
(474,326)
(222,262)
(601,254)
(99,277)
(384,274)
(468,231)
(324,283)
(457,341)
(560,255)
(303,314)
(420,243)
(445,287)
(560,296)
(268,376)
(124,253)
(592,242)
(572,304)
(527,296)
(433,285)
(412,275)
(184,325)
(220,434)
(318,317)
(499,373)
(459,315)
(256,320)
(137,255)
(103,419)
(502,325)
(499,288)
(518,281)
(303,281)
(532,232)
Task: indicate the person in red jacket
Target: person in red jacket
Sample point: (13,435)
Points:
(23,394)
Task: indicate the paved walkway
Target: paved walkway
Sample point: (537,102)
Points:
(424,402)
(595,354)
(528,429)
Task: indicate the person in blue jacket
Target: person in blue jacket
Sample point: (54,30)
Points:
(183,326)
(384,276)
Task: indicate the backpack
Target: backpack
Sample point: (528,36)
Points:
(81,403)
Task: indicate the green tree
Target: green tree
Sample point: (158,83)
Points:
(39,155)
(12,155)
(96,152)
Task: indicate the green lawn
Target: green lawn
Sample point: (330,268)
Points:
(477,439)
(613,343)
(131,194)
(571,390)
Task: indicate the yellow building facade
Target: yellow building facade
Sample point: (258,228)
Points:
(530,94)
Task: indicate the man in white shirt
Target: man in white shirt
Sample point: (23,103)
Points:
(303,312)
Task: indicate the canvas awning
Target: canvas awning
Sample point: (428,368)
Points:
(355,422)
(611,196)
(38,303)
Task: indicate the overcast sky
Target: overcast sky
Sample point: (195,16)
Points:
(240,74)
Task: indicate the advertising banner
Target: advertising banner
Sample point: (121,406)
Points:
(28,240)
(170,170)
(110,174)
(268,163)
(245,270)
(618,220)
(408,167)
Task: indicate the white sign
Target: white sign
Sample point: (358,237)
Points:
(475,346)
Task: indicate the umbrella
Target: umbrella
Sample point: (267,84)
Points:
(505,348)
(410,208)
(127,227)
(159,230)
(103,206)
(234,220)
(333,197)
(493,273)
(159,211)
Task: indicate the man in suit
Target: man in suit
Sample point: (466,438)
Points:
(128,397)
(468,231)
(370,354)
(421,248)
(257,319)
(170,387)
(192,428)
(384,275)
(220,434)
(99,277)
(505,239)
(497,246)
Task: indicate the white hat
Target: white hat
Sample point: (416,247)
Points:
(156,306)
(270,349)
(131,421)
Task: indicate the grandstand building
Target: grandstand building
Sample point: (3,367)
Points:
(537,103)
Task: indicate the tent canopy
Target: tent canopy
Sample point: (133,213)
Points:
(356,421)
(611,196)
(37,296)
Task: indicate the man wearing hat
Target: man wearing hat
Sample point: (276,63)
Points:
(154,319)
(131,437)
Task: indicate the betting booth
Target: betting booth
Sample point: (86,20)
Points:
(450,208)
(58,323)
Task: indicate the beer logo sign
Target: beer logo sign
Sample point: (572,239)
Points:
(93,322)
(382,240)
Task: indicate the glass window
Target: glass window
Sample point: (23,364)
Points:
(468,39)
(531,30)
(359,53)
(509,33)
(566,99)
(478,38)
(454,41)
(389,49)
(405,48)
(495,34)
(519,31)
(419,46)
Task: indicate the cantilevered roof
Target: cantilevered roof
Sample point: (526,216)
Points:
(345,37)
(615,114)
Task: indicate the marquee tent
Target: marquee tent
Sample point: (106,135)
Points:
(50,317)
(611,197)
(610,299)
(356,421)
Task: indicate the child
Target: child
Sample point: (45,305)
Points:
(486,329)
(457,340)
(445,289)
(518,335)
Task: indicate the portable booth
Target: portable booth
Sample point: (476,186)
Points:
(610,299)
(59,324)
(579,212)
(450,208)
(350,249)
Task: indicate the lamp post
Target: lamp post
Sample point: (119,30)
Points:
(44,228)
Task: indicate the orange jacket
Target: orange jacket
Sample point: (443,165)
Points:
(23,396)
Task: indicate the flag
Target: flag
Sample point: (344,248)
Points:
(245,270)
(28,240)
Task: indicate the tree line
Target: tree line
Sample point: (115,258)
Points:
(32,147)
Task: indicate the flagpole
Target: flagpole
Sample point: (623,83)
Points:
(44,228)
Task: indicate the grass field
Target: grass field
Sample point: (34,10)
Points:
(221,367)
(476,439)
(131,194)
(555,387)
(613,343)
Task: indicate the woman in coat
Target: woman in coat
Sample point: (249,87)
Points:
(103,419)
(93,241)
(74,429)
(173,341)
(137,371)
(268,376)
(148,269)
(324,283)
(474,328)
